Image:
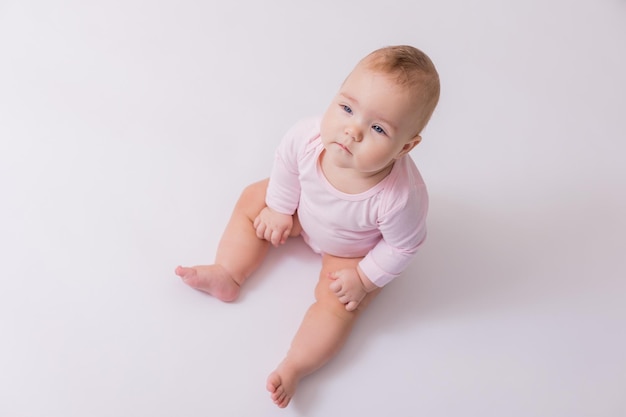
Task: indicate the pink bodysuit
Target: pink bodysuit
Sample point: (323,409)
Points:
(386,224)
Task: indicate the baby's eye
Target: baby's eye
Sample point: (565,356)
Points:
(378,129)
(346,108)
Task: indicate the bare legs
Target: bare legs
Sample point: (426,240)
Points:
(325,326)
(239,252)
(323,331)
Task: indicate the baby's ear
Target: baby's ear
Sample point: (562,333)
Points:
(410,145)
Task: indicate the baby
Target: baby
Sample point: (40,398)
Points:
(347,185)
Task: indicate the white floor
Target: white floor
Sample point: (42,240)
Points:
(128,129)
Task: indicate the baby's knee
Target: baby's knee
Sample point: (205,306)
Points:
(255,191)
(252,199)
(328,301)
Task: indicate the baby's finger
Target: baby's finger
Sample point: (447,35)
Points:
(275,238)
(260,231)
(352,305)
(335,287)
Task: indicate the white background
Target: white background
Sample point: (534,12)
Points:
(128,129)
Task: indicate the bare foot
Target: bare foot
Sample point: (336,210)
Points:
(212,279)
(282,385)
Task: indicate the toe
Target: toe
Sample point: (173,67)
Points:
(283,402)
(278,394)
(183,271)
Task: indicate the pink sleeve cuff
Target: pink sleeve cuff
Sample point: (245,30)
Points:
(375,273)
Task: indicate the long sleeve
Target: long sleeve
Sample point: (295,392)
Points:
(283,191)
(403,230)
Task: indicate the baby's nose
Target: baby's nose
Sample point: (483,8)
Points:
(355,132)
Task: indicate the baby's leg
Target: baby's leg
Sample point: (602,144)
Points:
(324,330)
(239,253)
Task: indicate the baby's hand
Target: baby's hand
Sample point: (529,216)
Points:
(348,287)
(273,226)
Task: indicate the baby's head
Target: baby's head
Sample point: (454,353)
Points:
(414,72)
(380,109)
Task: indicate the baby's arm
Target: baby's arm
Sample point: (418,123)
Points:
(274,223)
(273,226)
(351,286)
(403,230)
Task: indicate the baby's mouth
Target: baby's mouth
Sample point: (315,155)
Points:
(344,147)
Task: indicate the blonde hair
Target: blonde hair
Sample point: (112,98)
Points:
(412,69)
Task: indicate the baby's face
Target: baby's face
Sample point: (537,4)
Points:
(370,122)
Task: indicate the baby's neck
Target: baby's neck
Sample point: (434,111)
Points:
(350,181)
